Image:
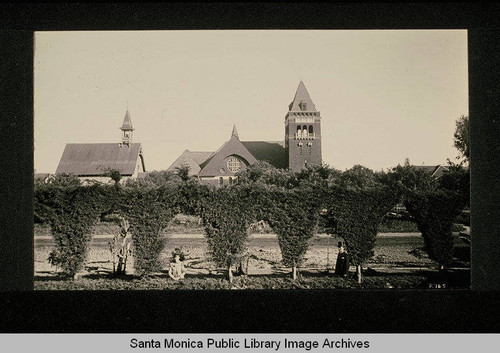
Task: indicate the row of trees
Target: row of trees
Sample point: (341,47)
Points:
(350,204)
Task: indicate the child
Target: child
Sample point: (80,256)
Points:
(176,270)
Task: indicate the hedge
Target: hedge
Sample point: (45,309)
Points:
(226,217)
(435,212)
(354,215)
(71,212)
(294,217)
(148,211)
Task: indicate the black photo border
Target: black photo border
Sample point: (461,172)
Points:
(321,311)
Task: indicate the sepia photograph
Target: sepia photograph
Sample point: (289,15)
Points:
(251,160)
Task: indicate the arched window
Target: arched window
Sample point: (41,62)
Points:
(299,132)
(221,181)
(310,129)
(230,181)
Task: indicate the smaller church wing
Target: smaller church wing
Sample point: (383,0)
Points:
(272,152)
(191,159)
(233,147)
(92,159)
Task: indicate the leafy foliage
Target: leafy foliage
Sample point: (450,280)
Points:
(358,177)
(183,172)
(155,178)
(407,177)
(148,210)
(435,211)
(461,137)
(226,218)
(294,218)
(71,212)
(354,215)
(457,179)
(114,174)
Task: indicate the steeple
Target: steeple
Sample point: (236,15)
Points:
(302,101)
(235,132)
(127,129)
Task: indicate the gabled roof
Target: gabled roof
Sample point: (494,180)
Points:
(301,97)
(86,159)
(435,170)
(269,151)
(232,147)
(191,159)
(127,122)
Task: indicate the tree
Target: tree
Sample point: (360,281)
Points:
(226,217)
(461,138)
(114,174)
(148,211)
(457,179)
(435,211)
(71,212)
(358,177)
(354,215)
(407,177)
(264,173)
(294,218)
(183,172)
(158,178)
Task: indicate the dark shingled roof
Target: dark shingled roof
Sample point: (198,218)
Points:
(191,159)
(86,159)
(269,151)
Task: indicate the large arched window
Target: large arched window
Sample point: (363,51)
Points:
(310,129)
(221,181)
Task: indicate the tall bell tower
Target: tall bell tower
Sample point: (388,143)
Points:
(303,131)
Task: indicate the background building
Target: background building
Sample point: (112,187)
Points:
(301,148)
(91,161)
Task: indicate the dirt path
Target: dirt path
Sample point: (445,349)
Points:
(391,254)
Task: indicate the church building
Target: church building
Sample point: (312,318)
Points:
(301,148)
(90,161)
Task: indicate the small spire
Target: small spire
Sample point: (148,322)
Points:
(127,122)
(235,132)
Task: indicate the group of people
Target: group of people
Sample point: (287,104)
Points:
(177,271)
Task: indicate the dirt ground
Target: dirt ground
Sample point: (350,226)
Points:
(391,253)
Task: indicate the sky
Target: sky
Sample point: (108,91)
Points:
(383,95)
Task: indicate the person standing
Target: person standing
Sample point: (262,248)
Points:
(342,264)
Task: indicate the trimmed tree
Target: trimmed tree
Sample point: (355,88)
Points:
(435,212)
(294,218)
(226,217)
(354,215)
(71,212)
(148,211)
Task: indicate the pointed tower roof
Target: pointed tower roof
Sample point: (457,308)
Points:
(302,99)
(235,132)
(127,122)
